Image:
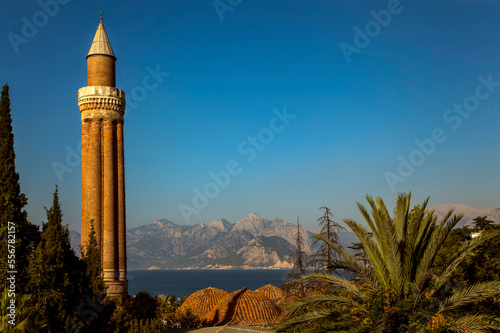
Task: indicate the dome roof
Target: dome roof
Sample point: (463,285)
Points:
(202,301)
(243,307)
(272,292)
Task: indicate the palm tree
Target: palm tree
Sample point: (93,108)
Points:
(399,281)
(29,314)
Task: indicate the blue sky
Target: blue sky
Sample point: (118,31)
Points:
(350,124)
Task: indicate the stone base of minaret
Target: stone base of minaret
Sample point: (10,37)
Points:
(117,289)
(116,283)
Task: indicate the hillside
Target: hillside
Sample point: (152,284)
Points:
(469,213)
(260,226)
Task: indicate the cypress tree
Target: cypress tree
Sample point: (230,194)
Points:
(56,272)
(12,202)
(93,270)
(95,313)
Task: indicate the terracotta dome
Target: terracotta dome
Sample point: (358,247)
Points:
(202,301)
(272,292)
(244,307)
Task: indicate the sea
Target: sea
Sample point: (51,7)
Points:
(185,282)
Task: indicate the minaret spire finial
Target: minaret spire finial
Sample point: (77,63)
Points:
(100,44)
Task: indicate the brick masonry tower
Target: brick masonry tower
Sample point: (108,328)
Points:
(102,106)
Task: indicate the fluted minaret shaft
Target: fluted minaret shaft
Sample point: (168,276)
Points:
(122,233)
(95,179)
(110,221)
(86,125)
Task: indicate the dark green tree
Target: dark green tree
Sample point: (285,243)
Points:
(483,264)
(12,202)
(143,306)
(482,223)
(56,272)
(486,260)
(94,313)
(93,269)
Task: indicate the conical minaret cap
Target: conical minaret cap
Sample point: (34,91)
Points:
(101,44)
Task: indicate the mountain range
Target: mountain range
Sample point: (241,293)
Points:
(252,242)
(469,213)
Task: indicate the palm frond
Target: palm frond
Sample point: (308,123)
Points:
(324,301)
(350,264)
(422,234)
(393,257)
(368,219)
(410,253)
(401,218)
(401,223)
(382,325)
(363,274)
(433,246)
(415,223)
(373,251)
(471,295)
(330,278)
(477,323)
(312,317)
(378,216)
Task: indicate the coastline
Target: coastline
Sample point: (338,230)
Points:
(222,268)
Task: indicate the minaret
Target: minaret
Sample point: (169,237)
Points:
(102,106)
